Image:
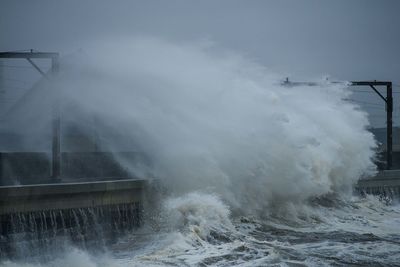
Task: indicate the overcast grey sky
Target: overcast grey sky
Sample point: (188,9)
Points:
(350,40)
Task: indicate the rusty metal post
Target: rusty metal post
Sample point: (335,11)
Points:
(389,123)
(56,123)
(56,128)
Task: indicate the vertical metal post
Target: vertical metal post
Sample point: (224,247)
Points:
(2,89)
(389,113)
(2,104)
(2,180)
(56,128)
(56,149)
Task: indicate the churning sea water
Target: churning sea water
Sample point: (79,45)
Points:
(257,174)
(198,229)
(359,231)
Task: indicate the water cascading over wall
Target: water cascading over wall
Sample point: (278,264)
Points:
(41,217)
(28,234)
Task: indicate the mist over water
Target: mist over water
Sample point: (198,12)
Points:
(224,137)
(212,120)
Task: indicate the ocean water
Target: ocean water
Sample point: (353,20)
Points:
(198,229)
(255,174)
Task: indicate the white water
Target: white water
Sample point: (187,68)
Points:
(212,120)
(198,230)
(243,158)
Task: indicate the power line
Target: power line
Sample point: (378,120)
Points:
(14,80)
(373,107)
(15,87)
(362,102)
(366,91)
(380,116)
(17,67)
(22,50)
(21,67)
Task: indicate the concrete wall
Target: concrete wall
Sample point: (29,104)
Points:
(385,183)
(35,167)
(40,218)
(28,198)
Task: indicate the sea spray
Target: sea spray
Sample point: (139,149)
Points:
(226,139)
(72,257)
(204,215)
(360,231)
(212,120)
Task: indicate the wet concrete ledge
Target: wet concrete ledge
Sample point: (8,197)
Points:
(31,198)
(383,178)
(385,183)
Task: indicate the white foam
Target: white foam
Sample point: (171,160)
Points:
(212,120)
(71,258)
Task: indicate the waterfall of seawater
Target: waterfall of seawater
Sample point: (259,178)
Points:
(388,194)
(198,229)
(255,174)
(43,234)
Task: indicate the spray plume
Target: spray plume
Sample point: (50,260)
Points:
(213,120)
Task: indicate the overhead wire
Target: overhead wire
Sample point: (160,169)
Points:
(18,67)
(14,87)
(21,50)
(362,102)
(14,80)
(366,91)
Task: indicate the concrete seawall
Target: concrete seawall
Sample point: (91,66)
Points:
(385,183)
(29,198)
(85,213)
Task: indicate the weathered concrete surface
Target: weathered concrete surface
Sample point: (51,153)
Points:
(28,168)
(393,182)
(29,198)
(385,183)
(389,178)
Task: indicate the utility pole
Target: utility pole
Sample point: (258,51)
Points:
(389,108)
(389,114)
(56,123)
(2,89)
